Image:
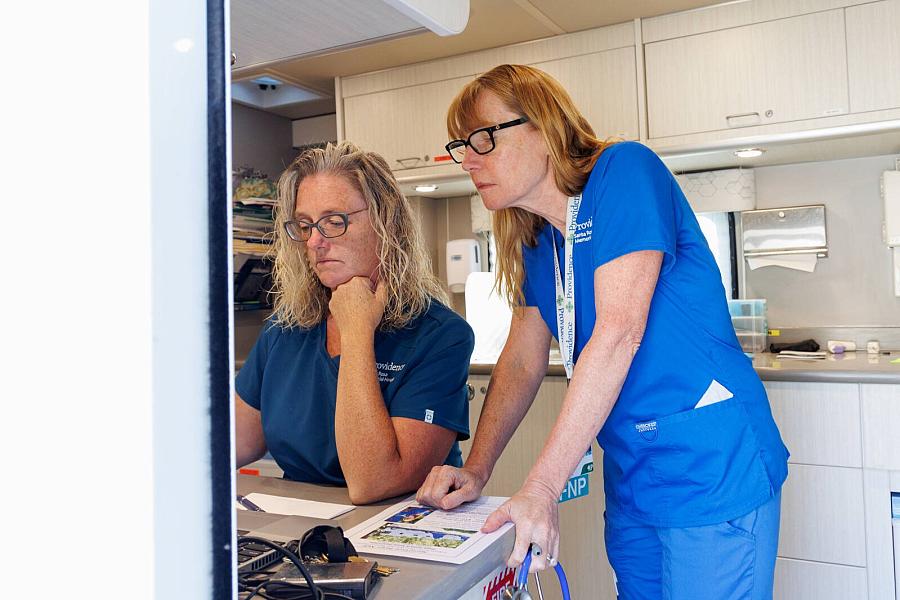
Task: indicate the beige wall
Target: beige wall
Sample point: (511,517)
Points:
(853,287)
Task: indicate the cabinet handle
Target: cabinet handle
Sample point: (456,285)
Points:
(742,119)
(470,392)
(413,160)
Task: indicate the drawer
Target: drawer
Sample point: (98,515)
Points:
(823,515)
(802,580)
(819,422)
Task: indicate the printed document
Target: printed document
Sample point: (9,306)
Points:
(412,530)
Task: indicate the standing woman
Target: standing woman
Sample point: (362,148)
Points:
(598,247)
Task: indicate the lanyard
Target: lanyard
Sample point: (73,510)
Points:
(565,291)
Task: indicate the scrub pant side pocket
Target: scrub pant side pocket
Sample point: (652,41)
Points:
(734,559)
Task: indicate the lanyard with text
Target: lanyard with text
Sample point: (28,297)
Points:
(565,290)
(577,485)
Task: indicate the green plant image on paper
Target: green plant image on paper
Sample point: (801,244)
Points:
(393,534)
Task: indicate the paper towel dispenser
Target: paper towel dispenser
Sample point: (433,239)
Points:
(780,231)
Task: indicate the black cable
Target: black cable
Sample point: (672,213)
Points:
(298,562)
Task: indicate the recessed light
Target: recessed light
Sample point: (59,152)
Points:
(426,188)
(748,152)
(266,80)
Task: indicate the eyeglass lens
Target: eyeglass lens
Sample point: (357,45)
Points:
(329,226)
(481,141)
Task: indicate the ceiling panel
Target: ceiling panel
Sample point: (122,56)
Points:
(577,15)
(492,23)
(267,30)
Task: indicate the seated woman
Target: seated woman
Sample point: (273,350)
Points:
(359,377)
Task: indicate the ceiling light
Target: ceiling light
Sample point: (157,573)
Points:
(426,188)
(748,152)
(266,80)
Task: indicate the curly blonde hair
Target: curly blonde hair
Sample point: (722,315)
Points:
(570,140)
(405,268)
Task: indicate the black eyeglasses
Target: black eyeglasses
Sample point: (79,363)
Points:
(480,140)
(330,226)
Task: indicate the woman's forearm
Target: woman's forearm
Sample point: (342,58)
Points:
(511,391)
(366,440)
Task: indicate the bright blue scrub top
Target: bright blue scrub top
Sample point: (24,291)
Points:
(291,380)
(666,463)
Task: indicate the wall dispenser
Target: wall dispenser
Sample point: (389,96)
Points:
(792,238)
(463,257)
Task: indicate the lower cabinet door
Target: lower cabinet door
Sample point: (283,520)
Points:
(823,515)
(803,580)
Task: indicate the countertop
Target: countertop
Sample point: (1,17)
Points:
(850,367)
(416,579)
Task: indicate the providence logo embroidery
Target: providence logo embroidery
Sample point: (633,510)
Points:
(387,370)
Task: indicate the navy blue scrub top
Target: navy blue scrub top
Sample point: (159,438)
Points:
(291,380)
(665,463)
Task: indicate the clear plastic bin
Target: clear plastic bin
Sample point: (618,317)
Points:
(750,324)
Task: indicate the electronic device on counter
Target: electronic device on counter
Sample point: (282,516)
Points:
(253,556)
(354,579)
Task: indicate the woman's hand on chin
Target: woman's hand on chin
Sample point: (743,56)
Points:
(356,307)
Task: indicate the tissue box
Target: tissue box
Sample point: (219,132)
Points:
(749,320)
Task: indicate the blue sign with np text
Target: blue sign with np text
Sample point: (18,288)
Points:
(575,488)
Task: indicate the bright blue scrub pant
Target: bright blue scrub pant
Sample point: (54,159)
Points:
(734,560)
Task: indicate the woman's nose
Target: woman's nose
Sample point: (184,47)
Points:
(316,239)
(471,160)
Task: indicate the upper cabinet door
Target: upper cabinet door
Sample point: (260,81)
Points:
(603,86)
(407,126)
(772,72)
(873,55)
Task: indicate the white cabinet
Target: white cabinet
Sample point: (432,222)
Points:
(881,424)
(581,520)
(401,113)
(802,580)
(873,55)
(407,126)
(603,86)
(765,73)
(819,422)
(823,515)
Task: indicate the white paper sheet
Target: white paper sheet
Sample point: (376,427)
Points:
(800,262)
(411,530)
(281,505)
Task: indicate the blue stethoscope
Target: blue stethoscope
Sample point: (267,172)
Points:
(520,591)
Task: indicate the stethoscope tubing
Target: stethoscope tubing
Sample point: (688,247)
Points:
(522,576)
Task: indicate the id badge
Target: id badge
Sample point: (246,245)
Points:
(578,484)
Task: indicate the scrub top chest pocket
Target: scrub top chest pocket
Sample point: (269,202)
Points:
(707,456)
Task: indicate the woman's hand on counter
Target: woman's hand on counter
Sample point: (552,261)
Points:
(447,487)
(534,510)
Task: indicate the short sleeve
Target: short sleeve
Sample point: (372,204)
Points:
(634,206)
(434,390)
(248,383)
(527,285)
